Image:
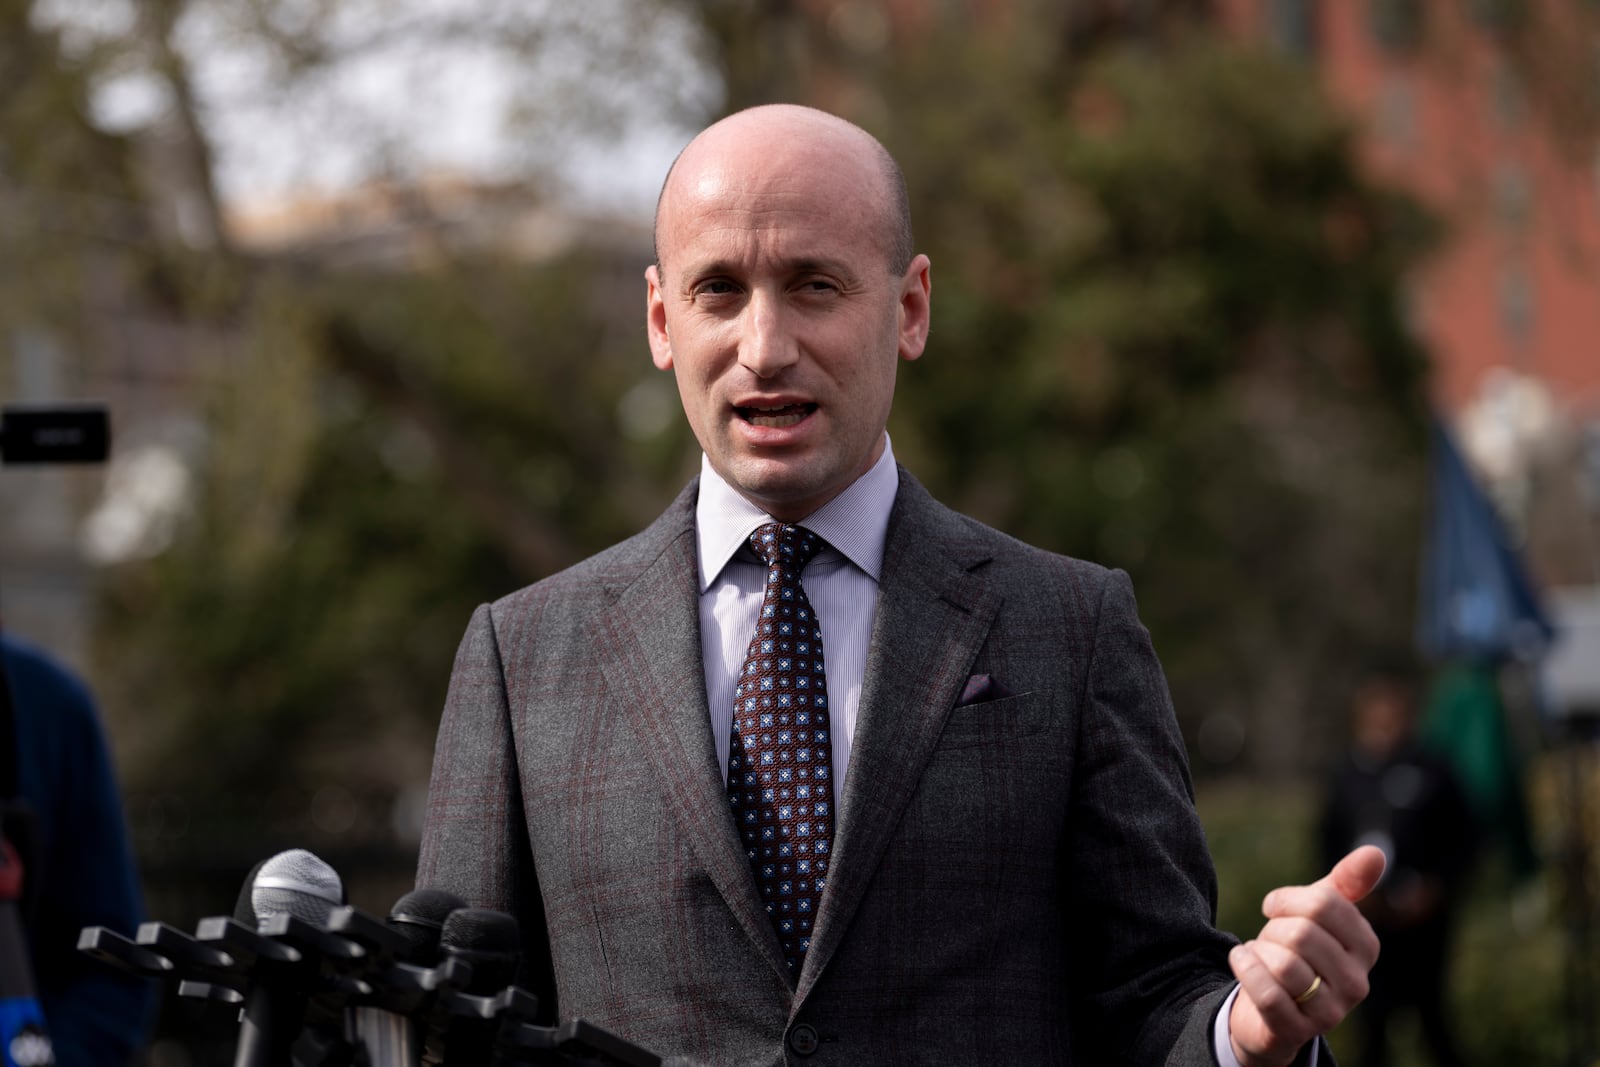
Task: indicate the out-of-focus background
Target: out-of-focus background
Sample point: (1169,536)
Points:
(360,281)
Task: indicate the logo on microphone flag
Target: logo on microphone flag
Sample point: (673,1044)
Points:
(25,1041)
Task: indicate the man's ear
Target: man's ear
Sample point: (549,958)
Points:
(655,319)
(916,294)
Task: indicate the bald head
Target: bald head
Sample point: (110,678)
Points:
(757,137)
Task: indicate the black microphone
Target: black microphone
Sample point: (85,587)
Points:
(419,917)
(489,940)
(494,1021)
(403,951)
(288,893)
(463,1028)
(23,1036)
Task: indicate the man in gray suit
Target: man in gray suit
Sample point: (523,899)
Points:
(971,839)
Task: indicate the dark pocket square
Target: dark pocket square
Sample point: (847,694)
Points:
(982,687)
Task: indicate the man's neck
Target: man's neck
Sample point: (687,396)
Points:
(855,521)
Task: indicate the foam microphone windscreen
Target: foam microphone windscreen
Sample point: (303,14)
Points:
(489,940)
(297,883)
(419,917)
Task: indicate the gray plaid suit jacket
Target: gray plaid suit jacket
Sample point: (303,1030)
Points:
(1021,880)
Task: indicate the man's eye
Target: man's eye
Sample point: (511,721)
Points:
(715,287)
(817,285)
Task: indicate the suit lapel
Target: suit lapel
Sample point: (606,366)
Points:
(934,613)
(648,648)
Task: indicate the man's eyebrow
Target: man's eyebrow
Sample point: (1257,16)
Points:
(798,265)
(707,269)
(822,264)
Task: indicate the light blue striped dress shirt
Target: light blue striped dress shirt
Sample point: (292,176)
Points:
(841,583)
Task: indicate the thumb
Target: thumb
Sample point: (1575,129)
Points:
(1358,873)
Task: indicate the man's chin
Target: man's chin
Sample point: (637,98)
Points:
(784,491)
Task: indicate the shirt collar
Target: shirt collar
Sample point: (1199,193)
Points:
(855,523)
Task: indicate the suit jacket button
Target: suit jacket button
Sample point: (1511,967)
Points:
(803,1039)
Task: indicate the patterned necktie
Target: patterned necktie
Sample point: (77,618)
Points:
(780,762)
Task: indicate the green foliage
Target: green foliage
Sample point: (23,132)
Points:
(390,451)
(1167,337)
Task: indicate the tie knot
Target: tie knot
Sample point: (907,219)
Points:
(784,543)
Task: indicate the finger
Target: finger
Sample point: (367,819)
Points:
(1294,972)
(1298,939)
(1272,1001)
(1323,906)
(1358,873)
(1285,941)
(1352,878)
(1324,997)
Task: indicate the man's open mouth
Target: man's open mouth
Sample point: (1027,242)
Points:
(775,418)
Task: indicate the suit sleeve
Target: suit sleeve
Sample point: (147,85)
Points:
(1142,889)
(474,837)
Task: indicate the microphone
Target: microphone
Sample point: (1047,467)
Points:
(23,1037)
(489,940)
(288,893)
(297,883)
(463,1027)
(419,918)
(404,949)
(293,957)
(493,1021)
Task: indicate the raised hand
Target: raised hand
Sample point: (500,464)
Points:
(1307,968)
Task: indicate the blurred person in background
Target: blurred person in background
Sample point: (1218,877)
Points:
(1391,792)
(78,864)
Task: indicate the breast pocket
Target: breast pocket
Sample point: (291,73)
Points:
(1009,719)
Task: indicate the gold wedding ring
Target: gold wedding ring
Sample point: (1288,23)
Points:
(1315,988)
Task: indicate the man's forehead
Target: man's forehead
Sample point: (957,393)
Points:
(780,240)
(793,212)
(784,180)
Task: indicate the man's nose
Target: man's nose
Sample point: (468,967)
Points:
(766,339)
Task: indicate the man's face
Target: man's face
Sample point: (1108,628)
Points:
(775,306)
(1382,717)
